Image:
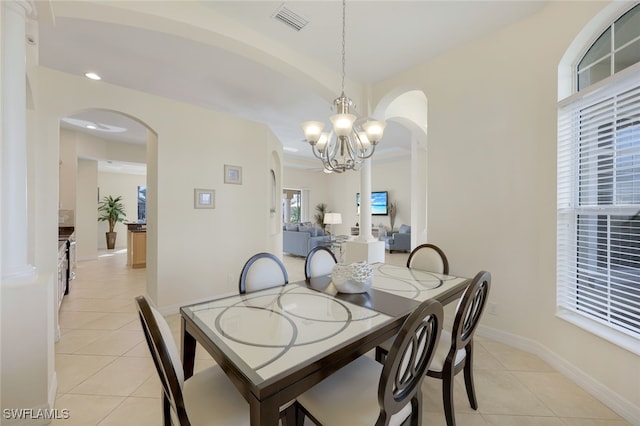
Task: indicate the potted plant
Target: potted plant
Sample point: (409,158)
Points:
(111,209)
(321,209)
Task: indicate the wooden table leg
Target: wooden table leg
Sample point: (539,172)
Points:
(264,413)
(188,350)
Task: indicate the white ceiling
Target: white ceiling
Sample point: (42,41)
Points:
(382,39)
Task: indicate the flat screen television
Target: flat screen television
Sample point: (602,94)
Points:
(379,203)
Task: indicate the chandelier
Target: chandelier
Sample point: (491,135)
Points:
(352,139)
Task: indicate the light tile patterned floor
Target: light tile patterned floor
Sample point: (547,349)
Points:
(106,375)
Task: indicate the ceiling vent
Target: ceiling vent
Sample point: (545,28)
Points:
(290,18)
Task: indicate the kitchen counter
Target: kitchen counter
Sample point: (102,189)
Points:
(137,245)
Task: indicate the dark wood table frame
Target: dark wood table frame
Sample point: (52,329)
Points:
(266,399)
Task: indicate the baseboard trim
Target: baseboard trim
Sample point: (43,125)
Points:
(623,407)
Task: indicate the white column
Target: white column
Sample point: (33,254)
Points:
(287,207)
(419,194)
(15,267)
(365,247)
(365,202)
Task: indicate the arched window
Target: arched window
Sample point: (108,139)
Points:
(617,48)
(598,217)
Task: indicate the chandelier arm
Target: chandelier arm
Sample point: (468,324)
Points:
(316,153)
(365,153)
(364,157)
(352,150)
(328,155)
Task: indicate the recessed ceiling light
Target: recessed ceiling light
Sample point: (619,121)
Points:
(92,76)
(101,127)
(288,148)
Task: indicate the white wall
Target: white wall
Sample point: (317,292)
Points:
(338,191)
(491,185)
(68,170)
(198,253)
(86,210)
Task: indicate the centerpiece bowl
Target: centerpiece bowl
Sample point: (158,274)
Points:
(352,278)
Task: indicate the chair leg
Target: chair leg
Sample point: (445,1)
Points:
(416,409)
(468,378)
(447,394)
(300,414)
(166,411)
(289,417)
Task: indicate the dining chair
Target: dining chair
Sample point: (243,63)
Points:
(455,349)
(208,396)
(349,396)
(320,261)
(428,257)
(262,270)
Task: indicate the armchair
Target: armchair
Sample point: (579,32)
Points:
(399,241)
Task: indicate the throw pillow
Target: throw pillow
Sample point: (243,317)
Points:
(303,228)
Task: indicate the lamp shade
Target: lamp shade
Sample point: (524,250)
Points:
(342,123)
(322,142)
(332,218)
(312,130)
(374,130)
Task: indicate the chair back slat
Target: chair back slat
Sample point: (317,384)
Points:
(428,257)
(262,270)
(408,360)
(320,261)
(470,309)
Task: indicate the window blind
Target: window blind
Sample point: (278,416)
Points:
(598,203)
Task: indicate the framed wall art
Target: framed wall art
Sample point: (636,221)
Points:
(233,174)
(204,198)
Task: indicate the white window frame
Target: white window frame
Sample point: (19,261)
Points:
(568,209)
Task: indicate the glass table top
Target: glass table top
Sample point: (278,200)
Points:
(412,283)
(267,332)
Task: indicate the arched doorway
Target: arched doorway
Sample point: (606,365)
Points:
(408,108)
(102,153)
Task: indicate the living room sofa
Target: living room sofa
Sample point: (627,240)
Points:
(398,241)
(299,239)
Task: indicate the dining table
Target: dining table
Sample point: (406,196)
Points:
(276,343)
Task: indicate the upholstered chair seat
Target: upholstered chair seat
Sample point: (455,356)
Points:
(443,350)
(211,399)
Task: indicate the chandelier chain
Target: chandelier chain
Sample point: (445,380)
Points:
(344,32)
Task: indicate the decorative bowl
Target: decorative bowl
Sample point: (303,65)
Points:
(352,278)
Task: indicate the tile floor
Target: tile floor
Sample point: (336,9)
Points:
(106,375)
